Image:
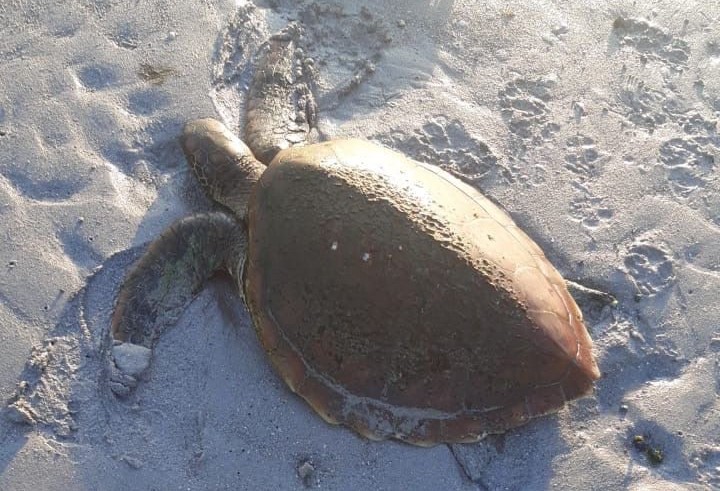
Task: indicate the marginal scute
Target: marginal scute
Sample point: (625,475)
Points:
(544,399)
(537,293)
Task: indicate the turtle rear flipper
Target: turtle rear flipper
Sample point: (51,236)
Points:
(281,110)
(163,281)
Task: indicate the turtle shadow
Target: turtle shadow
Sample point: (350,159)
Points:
(521,458)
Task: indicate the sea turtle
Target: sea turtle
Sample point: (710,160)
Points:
(393,297)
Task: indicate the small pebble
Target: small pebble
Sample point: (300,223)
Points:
(131,359)
(306,472)
(133,462)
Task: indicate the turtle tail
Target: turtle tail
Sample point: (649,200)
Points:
(157,289)
(223,164)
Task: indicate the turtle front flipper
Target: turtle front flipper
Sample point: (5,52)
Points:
(281,110)
(157,289)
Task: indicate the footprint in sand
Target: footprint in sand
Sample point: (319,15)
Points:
(524,108)
(650,266)
(689,163)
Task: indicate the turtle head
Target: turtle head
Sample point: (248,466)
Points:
(224,165)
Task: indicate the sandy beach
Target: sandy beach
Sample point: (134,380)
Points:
(594,124)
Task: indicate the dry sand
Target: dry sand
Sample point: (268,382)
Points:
(594,124)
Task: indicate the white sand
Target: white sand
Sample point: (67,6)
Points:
(594,126)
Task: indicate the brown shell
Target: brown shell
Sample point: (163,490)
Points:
(399,301)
